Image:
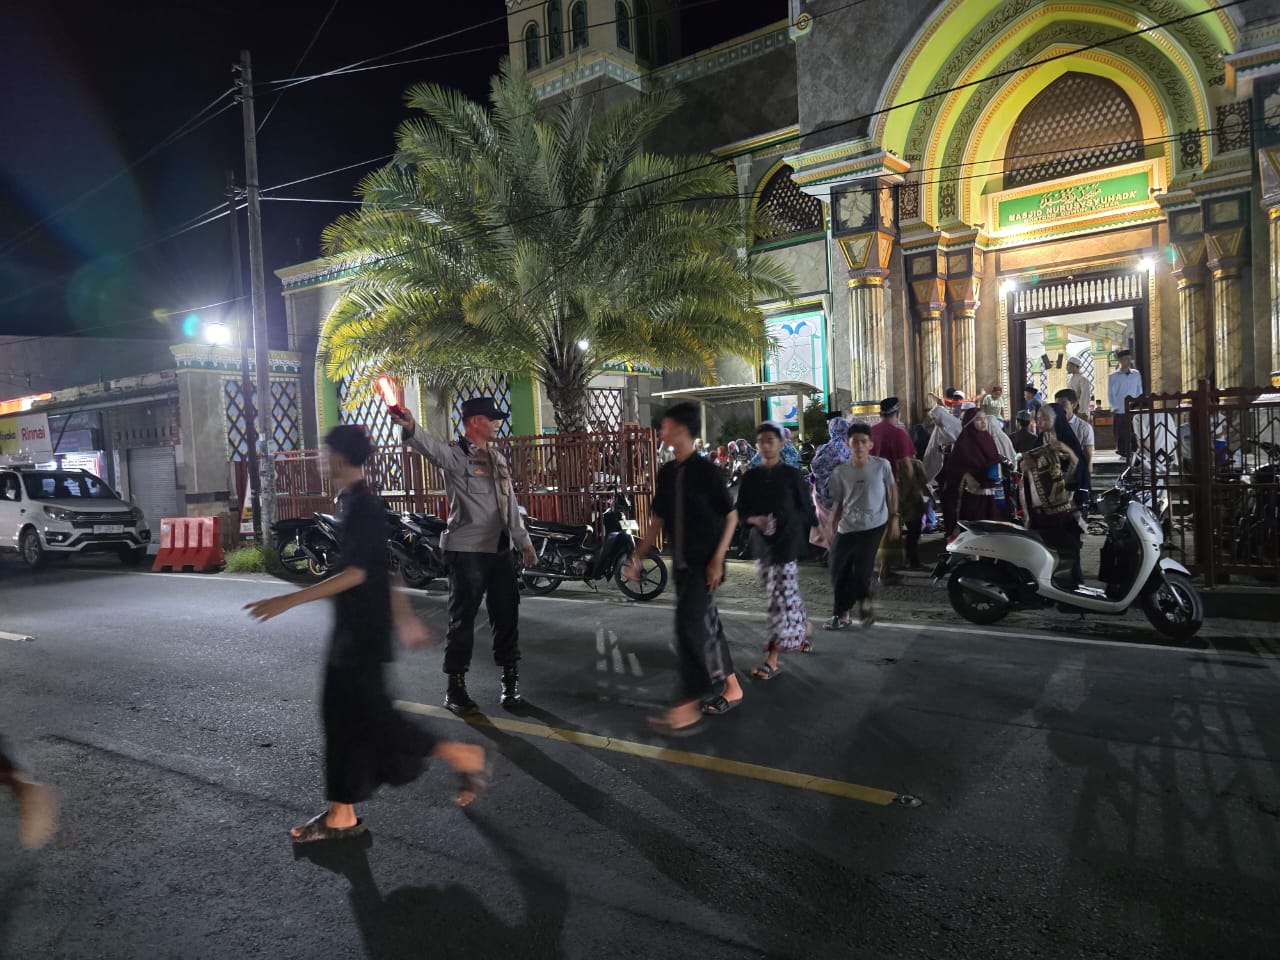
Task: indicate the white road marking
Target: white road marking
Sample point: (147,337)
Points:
(16,637)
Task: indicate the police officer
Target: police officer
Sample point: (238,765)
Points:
(484,522)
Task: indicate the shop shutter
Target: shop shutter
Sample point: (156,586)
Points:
(153,484)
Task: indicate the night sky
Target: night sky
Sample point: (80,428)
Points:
(89,87)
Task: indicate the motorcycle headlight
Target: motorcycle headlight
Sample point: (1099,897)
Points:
(61,514)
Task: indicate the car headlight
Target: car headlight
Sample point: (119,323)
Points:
(137,518)
(60,514)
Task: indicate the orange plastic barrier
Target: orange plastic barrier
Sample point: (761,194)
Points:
(193,543)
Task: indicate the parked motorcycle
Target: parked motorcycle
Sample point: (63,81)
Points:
(415,548)
(992,568)
(307,546)
(564,554)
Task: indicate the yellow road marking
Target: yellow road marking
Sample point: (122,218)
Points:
(787,778)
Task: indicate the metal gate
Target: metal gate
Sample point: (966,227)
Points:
(153,483)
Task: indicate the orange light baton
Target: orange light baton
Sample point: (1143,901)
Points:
(388,389)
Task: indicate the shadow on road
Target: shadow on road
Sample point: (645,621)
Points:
(448,920)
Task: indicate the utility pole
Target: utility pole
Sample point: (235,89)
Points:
(258,292)
(245,332)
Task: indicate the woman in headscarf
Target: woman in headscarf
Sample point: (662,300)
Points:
(972,471)
(829,456)
(1050,470)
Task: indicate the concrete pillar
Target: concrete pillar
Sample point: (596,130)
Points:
(930,334)
(1273,228)
(1228,324)
(964,338)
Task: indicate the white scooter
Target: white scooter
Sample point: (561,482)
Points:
(993,568)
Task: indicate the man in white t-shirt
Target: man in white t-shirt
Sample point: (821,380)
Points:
(1082,385)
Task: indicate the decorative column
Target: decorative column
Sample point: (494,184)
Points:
(927,280)
(964,282)
(1193,313)
(1269,166)
(867,352)
(1226,242)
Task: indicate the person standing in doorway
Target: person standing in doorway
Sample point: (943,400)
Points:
(774,499)
(1082,386)
(1023,438)
(691,503)
(484,523)
(1121,385)
(367,742)
(37,806)
(866,502)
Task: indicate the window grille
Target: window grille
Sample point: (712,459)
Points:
(285,423)
(555,30)
(622,16)
(496,387)
(1078,123)
(578,25)
(604,409)
(532,47)
(790,208)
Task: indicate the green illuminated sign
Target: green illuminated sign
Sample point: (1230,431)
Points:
(1081,200)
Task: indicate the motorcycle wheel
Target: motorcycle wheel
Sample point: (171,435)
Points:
(974,607)
(295,561)
(414,576)
(540,586)
(653,577)
(1173,606)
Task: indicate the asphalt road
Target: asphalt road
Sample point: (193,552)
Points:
(1079,797)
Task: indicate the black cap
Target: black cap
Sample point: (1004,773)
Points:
(482,406)
(888,406)
(1023,416)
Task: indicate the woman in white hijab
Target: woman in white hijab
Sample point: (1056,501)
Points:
(946,428)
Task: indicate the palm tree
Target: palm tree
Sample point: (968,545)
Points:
(521,239)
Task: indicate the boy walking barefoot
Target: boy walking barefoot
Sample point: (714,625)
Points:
(691,501)
(367,741)
(37,806)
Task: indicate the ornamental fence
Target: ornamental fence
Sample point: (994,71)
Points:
(563,478)
(1215,454)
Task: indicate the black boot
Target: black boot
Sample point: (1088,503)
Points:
(456,697)
(511,686)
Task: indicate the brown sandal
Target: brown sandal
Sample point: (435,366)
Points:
(316,829)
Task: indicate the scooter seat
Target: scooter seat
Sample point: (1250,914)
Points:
(1000,527)
(552,527)
(428,521)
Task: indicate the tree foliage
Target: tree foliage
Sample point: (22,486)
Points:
(520,239)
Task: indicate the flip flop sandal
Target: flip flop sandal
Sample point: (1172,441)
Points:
(663,726)
(766,672)
(719,706)
(475,782)
(835,623)
(316,829)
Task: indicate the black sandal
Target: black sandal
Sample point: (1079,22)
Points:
(719,706)
(316,829)
(766,672)
(836,623)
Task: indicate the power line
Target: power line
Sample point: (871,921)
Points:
(187,127)
(318,176)
(314,37)
(311,200)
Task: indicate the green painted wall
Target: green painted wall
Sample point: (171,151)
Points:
(524,406)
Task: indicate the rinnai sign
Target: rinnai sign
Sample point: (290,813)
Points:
(26,434)
(1073,201)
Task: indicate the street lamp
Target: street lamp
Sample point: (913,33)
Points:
(583,345)
(217,333)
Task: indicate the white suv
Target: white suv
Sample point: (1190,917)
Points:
(49,512)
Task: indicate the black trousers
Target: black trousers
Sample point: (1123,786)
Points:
(1124,435)
(490,577)
(853,562)
(367,742)
(705,661)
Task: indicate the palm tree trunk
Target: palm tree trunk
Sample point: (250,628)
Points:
(568,396)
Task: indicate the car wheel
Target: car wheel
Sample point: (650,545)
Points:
(32,549)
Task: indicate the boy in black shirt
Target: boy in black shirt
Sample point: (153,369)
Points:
(692,503)
(367,742)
